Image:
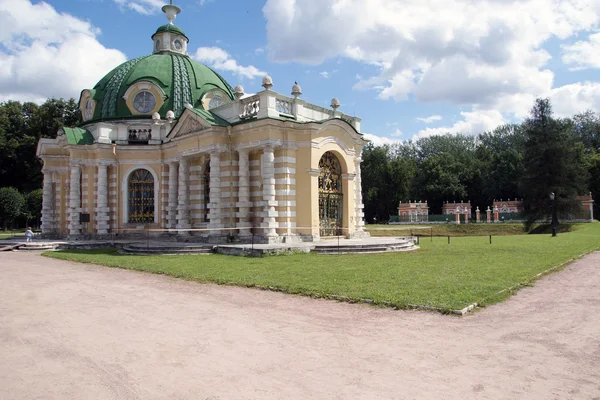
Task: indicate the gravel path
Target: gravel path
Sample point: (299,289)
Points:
(74,331)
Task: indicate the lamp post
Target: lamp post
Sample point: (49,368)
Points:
(554,219)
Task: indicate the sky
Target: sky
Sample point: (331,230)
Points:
(408,68)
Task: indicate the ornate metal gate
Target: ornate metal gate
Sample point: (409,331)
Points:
(330,195)
(141,197)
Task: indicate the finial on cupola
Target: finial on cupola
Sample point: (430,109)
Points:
(171,11)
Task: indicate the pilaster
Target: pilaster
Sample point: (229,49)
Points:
(359,216)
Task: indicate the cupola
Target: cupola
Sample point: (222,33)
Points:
(169,37)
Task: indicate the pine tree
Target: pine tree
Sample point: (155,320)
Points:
(552,162)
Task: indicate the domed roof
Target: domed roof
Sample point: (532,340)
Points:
(170,28)
(181,79)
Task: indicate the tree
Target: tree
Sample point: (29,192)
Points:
(21,127)
(12,205)
(552,162)
(34,206)
(501,155)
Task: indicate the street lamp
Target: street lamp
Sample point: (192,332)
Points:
(554,219)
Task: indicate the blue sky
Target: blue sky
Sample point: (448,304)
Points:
(409,68)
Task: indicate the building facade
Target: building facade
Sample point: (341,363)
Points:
(413,211)
(165,144)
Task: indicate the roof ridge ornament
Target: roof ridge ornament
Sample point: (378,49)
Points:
(171,11)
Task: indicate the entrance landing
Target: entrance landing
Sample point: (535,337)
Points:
(330,245)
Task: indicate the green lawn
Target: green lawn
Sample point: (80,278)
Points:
(447,229)
(438,275)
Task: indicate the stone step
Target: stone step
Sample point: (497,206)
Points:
(167,250)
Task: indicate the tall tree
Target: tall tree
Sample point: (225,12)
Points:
(552,163)
(21,127)
(12,205)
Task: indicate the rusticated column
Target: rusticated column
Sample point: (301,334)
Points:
(244,203)
(183,208)
(214,205)
(48,202)
(102,218)
(173,188)
(269,224)
(359,206)
(75,200)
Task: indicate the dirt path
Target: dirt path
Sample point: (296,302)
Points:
(72,331)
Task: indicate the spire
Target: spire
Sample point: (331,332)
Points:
(171,11)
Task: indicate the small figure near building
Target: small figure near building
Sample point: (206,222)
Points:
(28,235)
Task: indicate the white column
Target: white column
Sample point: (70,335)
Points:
(48,201)
(214,205)
(75,200)
(359,206)
(244,203)
(102,217)
(183,208)
(173,187)
(270,223)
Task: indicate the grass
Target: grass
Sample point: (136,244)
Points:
(10,233)
(438,275)
(447,229)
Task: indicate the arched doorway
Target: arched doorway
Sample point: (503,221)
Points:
(141,197)
(331,198)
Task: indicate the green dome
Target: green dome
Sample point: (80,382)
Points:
(170,28)
(182,80)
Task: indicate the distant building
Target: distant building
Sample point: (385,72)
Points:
(509,206)
(588,207)
(413,211)
(457,208)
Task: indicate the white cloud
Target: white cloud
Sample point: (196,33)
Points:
(145,7)
(219,59)
(583,54)
(430,119)
(48,54)
(380,140)
(324,74)
(481,53)
(472,123)
(397,133)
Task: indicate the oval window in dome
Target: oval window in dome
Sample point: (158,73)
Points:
(157,45)
(144,102)
(88,110)
(215,101)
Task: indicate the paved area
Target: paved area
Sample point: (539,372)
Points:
(74,331)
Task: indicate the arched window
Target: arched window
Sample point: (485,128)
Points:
(141,197)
